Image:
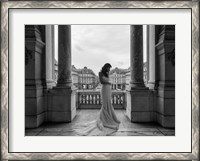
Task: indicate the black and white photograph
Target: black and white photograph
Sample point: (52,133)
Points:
(100,80)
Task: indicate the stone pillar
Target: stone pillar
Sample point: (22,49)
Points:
(62,99)
(152,38)
(49,56)
(151,56)
(137,57)
(53,53)
(138,109)
(34,89)
(166,76)
(64,56)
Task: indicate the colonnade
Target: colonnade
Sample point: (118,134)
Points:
(59,103)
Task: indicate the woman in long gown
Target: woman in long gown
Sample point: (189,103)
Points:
(107,113)
(106,122)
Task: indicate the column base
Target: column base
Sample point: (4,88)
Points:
(61,104)
(66,85)
(61,116)
(135,88)
(35,106)
(142,116)
(35,120)
(166,107)
(138,105)
(151,84)
(50,84)
(166,121)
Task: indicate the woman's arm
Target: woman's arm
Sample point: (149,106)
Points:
(103,79)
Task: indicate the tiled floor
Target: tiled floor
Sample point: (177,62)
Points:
(126,127)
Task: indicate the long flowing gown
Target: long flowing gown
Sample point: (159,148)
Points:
(107,122)
(107,113)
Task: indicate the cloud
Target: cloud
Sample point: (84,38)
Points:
(95,45)
(79,48)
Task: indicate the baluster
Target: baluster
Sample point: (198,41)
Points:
(94,99)
(118,99)
(87,98)
(115,99)
(97,99)
(91,99)
(122,99)
(83,97)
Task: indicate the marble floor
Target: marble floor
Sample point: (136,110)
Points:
(126,127)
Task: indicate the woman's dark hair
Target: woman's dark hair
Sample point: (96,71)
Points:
(104,69)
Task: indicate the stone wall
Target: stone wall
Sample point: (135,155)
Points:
(35,106)
(166,84)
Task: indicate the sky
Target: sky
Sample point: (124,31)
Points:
(95,45)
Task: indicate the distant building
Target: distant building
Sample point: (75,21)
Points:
(128,77)
(84,79)
(118,78)
(87,79)
(75,76)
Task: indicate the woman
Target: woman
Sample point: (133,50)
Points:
(107,113)
(106,122)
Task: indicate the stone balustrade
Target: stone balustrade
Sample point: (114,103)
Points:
(92,99)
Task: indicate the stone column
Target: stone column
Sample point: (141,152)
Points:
(138,109)
(151,64)
(49,56)
(137,57)
(53,53)
(151,56)
(62,99)
(64,56)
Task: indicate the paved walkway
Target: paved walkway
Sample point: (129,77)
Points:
(126,127)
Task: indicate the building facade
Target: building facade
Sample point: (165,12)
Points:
(87,79)
(82,79)
(118,78)
(75,77)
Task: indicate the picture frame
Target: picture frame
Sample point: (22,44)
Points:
(6,6)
